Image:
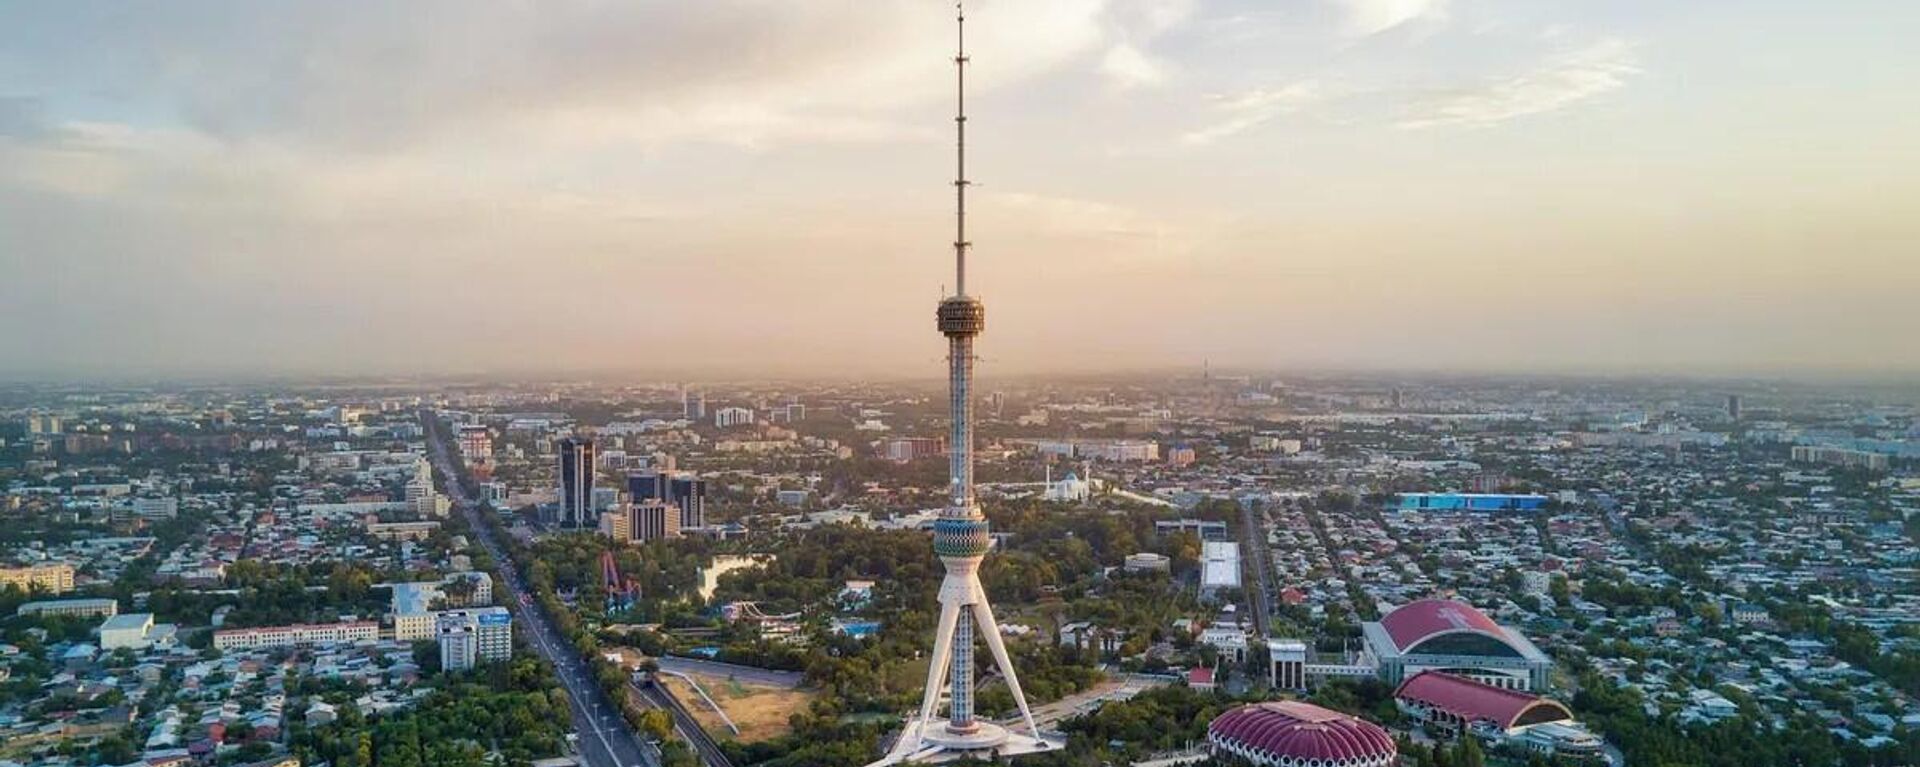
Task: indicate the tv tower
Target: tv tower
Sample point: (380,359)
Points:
(960,536)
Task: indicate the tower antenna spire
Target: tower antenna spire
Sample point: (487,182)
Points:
(960,243)
(962,535)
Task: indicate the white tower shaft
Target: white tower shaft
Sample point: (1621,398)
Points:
(961,536)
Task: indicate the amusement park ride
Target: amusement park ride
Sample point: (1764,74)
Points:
(622,592)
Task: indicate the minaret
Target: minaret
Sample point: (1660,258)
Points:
(960,535)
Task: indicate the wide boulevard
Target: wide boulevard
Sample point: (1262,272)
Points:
(606,740)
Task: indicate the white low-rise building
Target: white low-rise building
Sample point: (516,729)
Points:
(296,634)
(135,631)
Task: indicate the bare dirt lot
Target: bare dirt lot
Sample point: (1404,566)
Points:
(760,712)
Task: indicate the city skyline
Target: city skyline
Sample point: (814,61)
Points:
(1363,184)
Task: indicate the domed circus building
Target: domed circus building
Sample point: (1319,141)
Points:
(1453,637)
(1294,734)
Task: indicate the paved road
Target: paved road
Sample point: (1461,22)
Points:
(1260,594)
(606,740)
(744,674)
(1046,716)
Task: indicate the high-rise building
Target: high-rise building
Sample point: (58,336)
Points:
(648,485)
(689,494)
(653,520)
(471,637)
(729,417)
(617,524)
(1733,406)
(682,491)
(961,539)
(476,443)
(576,482)
(421,498)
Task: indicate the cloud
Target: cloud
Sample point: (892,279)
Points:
(1558,83)
(1134,25)
(1069,215)
(1129,67)
(333,75)
(21,117)
(1365,18)
(1243,111)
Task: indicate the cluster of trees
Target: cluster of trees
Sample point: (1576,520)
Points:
(272,594)
(1144,606)
(813,566)
(1159,719)
(1464,752)
(1370,698)
(515,708)
(1747,739)
(667,573)
(1899,665)
(1061,550)
(1047,672)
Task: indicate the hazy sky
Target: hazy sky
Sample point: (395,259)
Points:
(426,187)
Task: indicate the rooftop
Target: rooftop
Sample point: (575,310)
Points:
(1475,701)
(127,621)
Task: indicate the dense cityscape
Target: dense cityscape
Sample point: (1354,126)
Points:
(1489,571)
(525,385)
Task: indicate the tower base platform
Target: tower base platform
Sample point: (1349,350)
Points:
(989,741)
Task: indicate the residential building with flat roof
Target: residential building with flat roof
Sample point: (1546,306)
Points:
(71,607)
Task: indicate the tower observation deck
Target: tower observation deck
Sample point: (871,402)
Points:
(961,537)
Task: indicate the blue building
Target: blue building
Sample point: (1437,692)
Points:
(1469,502)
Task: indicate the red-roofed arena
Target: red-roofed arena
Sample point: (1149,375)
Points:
(1452,636)
(1417,622)
(1438,697)
(1295,734)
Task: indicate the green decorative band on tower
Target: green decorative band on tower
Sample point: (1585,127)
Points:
(961,537)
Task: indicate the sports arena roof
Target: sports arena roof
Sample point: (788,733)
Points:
(1473,701)
(1293,732)
(1417,622)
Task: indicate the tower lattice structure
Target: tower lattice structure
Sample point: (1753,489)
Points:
(961,536)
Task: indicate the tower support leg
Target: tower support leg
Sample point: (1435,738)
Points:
(983,616)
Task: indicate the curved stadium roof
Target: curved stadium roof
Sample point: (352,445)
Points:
(1417,622)
(1475,701)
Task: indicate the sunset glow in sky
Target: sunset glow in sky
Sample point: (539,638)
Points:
(762,187)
